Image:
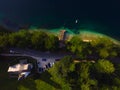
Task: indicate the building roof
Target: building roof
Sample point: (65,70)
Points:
(23,75)
(62,35)
(18,67)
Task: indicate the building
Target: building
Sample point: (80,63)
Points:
(20,70)
(62,35)
(62,38)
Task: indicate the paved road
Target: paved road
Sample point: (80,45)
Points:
(50,57)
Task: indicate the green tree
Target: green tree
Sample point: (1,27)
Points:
(105,66)
(75,44)
(80,48)
(104,47)
(64,65)
(25,39)
(103,53)
(52,43)
(4,43)
(20,39)
(113,53)
(13,39)
(116,81)
(102,42)
(38,40)
(84,80)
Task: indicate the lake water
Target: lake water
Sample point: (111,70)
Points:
(51,14)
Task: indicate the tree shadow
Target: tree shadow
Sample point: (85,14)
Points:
(46,77)
(28,83)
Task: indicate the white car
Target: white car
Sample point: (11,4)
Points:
(11,51)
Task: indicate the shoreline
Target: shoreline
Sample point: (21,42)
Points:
(85,35)
(89,36)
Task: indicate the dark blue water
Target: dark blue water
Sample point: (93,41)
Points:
(102,17)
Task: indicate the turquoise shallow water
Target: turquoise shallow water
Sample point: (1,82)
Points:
(86,24)
(101,31)
(83,32)
(93,16)
(54,24)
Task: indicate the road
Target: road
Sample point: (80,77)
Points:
(50,57)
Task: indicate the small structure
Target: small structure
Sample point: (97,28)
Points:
(78,61)
(20,70)
(87,40)
(62,35)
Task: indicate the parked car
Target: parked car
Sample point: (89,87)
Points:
(40,70)
(51,64)
(57,59)
(12,52)
(38,62)
(44,59)
(47,66)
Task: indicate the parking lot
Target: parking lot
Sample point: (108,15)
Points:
(44,60)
